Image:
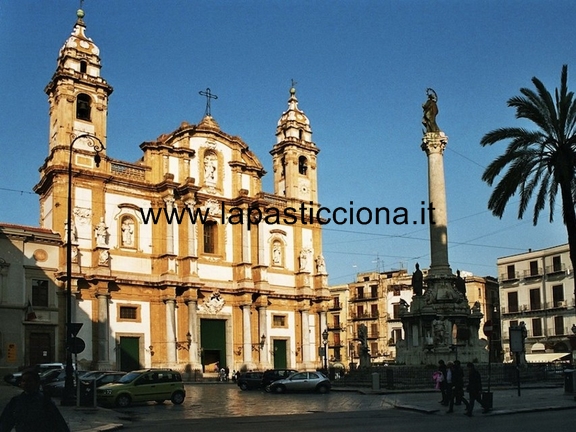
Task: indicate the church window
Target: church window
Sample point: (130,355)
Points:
(39,292)
(283,162)
(210,234)
(302,165)
(83,67)
(83,107)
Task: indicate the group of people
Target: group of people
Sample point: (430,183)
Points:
(449,380)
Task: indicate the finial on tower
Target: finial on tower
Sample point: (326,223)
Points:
(293,87)
(80,13)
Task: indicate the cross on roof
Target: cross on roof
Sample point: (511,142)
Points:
(209,96)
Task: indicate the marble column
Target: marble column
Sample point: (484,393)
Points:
(433,144)
(170,330)
(194,351)
(247,336)
(103,331)
(305,337)
(169,200)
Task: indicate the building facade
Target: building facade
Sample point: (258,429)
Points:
(29,259)
(180,259)
(537,288)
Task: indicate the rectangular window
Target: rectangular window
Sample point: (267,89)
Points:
(374,349)
(40,292)
(535,299)
(336,321)
(511,272)
(559,325)
(337,339)
(279,321)
(374,291)
(558,295)
(396,289)
(360,292)
(336,301)
(533,268)
(210,237)
(512,302)
(536,327)
(360,311)
(514,323)
(396,335)
(556,264)
(374,311)
(396,312)
(374,330)
(128,312)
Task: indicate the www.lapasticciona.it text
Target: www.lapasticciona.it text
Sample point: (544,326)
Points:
(304,214)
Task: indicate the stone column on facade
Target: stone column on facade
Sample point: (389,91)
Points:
(433,144)
(306,359)
(263,331)
(194,349)
(103,330)
(191,230)
(169,200)
(247,336)
(170,330)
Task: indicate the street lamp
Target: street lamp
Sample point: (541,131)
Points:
(94,142)
(325,342)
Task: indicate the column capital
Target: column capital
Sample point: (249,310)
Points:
(434,142)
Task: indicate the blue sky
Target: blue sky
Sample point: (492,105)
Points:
(362,68)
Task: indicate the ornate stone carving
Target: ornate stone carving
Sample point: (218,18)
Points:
(214,305)
(82,215)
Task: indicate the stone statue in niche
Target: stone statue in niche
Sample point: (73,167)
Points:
(277,254)
(303,260)
(210,168)
(127,232)
(101,233)
(439,329)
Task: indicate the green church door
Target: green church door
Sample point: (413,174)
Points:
(280,359)
(129,353)
(213,344)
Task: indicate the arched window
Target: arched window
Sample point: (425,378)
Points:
(83,67)
(83,107)
(302,165)
(210,237)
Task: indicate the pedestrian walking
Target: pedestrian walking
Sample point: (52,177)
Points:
(32,411)
(442,381)
(457,383)
(474,390)
(449,387)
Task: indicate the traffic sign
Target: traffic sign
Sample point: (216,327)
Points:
(74,328)
(487,329)
(77,345)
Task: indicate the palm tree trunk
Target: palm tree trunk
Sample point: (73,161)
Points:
(570,222)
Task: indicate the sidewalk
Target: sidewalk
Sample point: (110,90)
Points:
(505,400)
(78,419)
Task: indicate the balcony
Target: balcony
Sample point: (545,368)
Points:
(335,307)
(510,277)
(334,327)
(556,270)
(363,297)
(533,274)
(364,316)
(370,335)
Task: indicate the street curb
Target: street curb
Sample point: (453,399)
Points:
(530,410)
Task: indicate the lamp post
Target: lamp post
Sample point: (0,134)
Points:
(94,142)
(325,342)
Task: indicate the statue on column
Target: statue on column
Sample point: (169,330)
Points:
(101,233)
(417,281)
(460,284)
(320,265)
(303,260)
(430,108)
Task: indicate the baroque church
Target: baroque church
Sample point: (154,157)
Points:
(188,294)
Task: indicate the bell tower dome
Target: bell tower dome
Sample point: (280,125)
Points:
(77,94)
(294,155)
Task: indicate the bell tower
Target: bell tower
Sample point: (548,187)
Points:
(294,155)
(77,94)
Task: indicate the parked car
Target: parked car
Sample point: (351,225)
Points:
(250,380)
(14,378)
(56,388)
(272,375)
(302,381)
(143,385)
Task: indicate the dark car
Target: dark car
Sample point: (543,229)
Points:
(302,382)
(250,380)
(56,388)
(14,378)
(272,375)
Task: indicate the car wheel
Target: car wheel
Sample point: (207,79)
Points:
(123,401)
(244,386)
(267,389)
(177,398)
(160,401)
(279,389)
(323,388)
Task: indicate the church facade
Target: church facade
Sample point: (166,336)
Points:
(180,259)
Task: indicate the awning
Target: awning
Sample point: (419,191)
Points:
(547,357)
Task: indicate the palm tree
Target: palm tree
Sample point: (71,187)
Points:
(541,160)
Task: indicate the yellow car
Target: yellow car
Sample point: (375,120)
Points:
(143,385)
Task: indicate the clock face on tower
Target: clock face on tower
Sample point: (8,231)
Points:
(304,188)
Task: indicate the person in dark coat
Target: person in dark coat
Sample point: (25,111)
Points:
(474,390)
(457,386)
(31,411)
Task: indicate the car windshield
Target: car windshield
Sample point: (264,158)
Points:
(129,377)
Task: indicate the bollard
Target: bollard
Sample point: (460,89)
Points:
(375,381)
